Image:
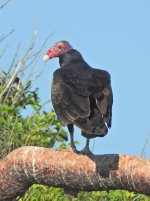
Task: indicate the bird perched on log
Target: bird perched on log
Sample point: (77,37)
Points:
(81,95)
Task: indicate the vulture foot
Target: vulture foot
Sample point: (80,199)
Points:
(86,150)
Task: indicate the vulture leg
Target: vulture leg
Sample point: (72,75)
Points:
(71,131)
(86,150)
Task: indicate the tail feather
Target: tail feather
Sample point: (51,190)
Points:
(104,104)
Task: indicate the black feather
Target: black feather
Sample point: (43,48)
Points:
(82,95)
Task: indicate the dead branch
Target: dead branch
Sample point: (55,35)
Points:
(5,36)
(3,5)
(63,168)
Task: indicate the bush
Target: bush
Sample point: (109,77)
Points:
(35,128)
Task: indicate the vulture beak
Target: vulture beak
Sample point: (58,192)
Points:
(45,58)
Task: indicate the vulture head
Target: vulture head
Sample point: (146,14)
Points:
(58,49)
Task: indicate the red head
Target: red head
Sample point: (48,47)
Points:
(58,49)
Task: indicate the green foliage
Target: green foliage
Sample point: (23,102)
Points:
(44,193)
(36,127)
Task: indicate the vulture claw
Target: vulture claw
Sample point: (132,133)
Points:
(86,150)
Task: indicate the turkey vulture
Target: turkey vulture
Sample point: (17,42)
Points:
(81,95)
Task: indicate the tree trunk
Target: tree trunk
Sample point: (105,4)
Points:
(63,168)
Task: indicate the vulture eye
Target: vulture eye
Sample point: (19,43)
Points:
(59,47)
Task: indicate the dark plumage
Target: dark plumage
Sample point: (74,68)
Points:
(81,95)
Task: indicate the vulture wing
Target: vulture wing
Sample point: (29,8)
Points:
(82,96)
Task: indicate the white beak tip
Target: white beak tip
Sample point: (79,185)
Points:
(45,58)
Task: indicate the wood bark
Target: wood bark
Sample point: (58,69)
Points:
(63,168)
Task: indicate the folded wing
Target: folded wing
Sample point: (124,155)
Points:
(83,98)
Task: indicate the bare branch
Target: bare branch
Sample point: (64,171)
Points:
(20,66)
(5,36)
(144,147)
(63,168)
(3,51)
(14,59)
(11,80)
(3,5)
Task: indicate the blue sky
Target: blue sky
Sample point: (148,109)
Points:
(111,35)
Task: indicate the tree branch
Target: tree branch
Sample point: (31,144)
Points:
(5,36)
(3,5)
(63,168)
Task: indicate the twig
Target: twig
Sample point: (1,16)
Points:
(36,57)
(8,34)
(3,51)
(21,66)
(11,80)
(14,59)
(144,147)
(3,5)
